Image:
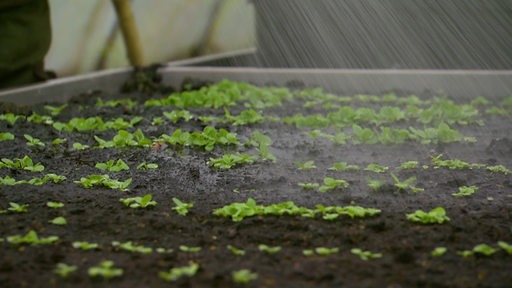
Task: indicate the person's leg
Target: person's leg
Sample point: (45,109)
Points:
(25,37)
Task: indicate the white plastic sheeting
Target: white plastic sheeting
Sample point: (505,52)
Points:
(86,36)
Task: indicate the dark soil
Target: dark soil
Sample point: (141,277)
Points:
(96,215)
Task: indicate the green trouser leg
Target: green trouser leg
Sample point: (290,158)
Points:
(25,37)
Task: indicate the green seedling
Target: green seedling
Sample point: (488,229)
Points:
(54,205)
(112,166)
(6,136)
(496,111)
(325,251)
(79,146)
(40,119)
(482,249)
(124,139)
(8,180)
(308,165)
(128,246)
(309,186)
(32,238)
(373,167)
(15,208)
(268,249)
(308,252)
(375,184)
(40,181)
(147,166)
(408,165)
(227,161)
(331,184)
(25,163)
(343,166)
(164,250)
(176,115)
(498,169)
(262,142)
(180,272)
(246,117)
(59,221)
(104,180)
(10,118)
(505,246)
(454,164)
(181,207)
(243,276)
(363,135)
(106,270)
(157,121)
(127,103)
(465,191)
(55,111)
(436,215)
(407,184)
(64,270)
(34,142)
(236,251)
(84,245)
(365,255)
(184,248)
(138,202)
(59,141)
(438,251)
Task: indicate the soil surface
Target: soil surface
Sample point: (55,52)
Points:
(96,214)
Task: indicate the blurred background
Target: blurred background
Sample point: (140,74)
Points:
(86,35)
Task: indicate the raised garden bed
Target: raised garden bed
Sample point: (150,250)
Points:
(324,188)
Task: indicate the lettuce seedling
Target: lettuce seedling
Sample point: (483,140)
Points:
(6,136)
(138,202)
(308,165)
(365,255)
(375,184)
(15,208)
(309,186)
(128,246)
(181,207)
(34,142)
(179,272)
(407,184)
(436,215)
(104,180)
(324,251)
(105,269)
(55,111)
(32,238)
(269,249)
(227,161)
(59,221)
(498,169)
(374,167)
(40,181)
(408,165)
(40,119)
(438,251)
(59,141)
(184,248)
(84,245)
(262,142)
(243,276)
(331,184)
(79,146)
(246,117)
(465,191)
(343,166)
(10,118)
(25,163)
(236,251)
(505,246)
(8,180)
(54,205)
(176,115)
(64,270)
(482,249)
(112,166)
(147,166)
(363,135)
(454,164)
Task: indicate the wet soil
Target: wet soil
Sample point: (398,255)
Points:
(96,215)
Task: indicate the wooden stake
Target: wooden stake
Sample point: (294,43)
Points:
(130,33)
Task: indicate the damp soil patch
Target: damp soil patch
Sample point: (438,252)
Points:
(256,186)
